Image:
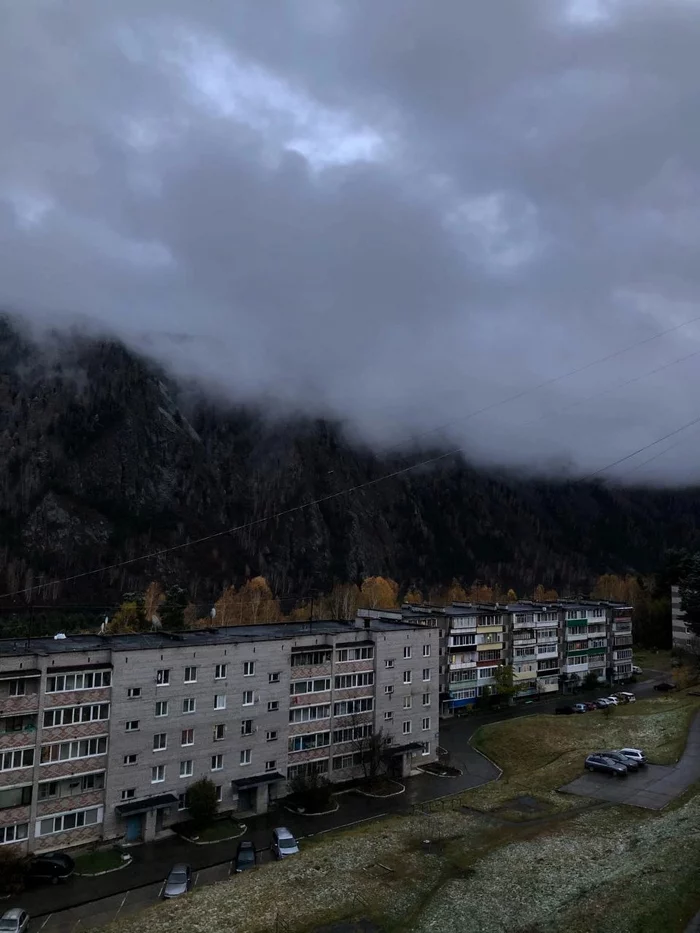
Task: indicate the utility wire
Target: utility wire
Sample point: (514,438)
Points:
(640,450)
(392,475)
(661,453)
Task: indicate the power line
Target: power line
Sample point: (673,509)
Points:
(661,453)
(640,450)
(392,475)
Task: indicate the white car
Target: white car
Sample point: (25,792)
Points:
(613,701)
(636,670)
(627,697)
(14,921)
(636,754)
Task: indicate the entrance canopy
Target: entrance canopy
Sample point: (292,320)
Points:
(143,806)
(258,779)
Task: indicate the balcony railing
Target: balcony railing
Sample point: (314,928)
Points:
(462,664)
(523,641)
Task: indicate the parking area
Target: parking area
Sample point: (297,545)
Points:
(635,789)
(100,913)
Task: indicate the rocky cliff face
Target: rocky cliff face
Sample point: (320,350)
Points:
(104,459)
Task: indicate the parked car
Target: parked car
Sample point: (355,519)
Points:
(613,700)
(636,754)
(636,670)
(606,765)
(591,705)
(627,697)
(621,759)
(580,708)
(51,866)
(602,703)
(563,711)
(246,856)
(14,920)
(178,882)
(664,687)
(283,843)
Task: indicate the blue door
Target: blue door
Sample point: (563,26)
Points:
(133,828)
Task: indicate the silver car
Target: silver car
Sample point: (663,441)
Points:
(14,921)
(283,843)
(178,882)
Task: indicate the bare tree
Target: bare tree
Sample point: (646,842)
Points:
(374,749)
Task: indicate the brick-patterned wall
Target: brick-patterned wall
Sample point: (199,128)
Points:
(62,804)
(353,693)
(12,706)
(14,815)
(316,670)
(16,739)
(77,697)
(80,730)
(60,769)
(310,754)
(15,849)
(74,837)
(353,667)
(18,776)
(303,728)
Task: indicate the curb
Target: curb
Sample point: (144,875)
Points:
(396,793)
(126,860)
(433,774)
(212,842)
(324,813)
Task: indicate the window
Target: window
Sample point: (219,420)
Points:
(350,707)
(18,688)
(348,681)
(132,725)
(407,652)
(129,794)
(309,713)
(388,716)
(73,820)
(310,658)
(190,675)
(347,761)
(217,762)
(162,708)
(248,698)
(67,751)
(220,672)
(485,672)
(186,768)
(81,680)
(426,673)
(133,693)
(406,727)
(163,677)
(270,765)
(13,833)
(189,705)
(425,748)
(274,678)
(352,733)
(160,741)
(219,732)
(307,768)
(364,653)
(220,701)
(69,715)
(426,651)
(246,756)
(271,735)
(158,774)
(248,668)
(407,677)
(302,743)
(407,702)
(388,690)
(389,663)
(187,737)
(426,699)
(16,797)
(13,724)
(246,726)
(219,793)
(130,759)
(317,685)
(182,801)
(425,723)
(273,706)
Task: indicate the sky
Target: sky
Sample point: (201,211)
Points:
(396,214)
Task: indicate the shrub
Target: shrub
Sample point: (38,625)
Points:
(202,803)
(311,793)
(12,873)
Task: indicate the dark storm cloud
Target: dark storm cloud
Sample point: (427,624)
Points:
(396,212)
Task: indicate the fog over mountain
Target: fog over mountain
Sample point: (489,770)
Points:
(392,213)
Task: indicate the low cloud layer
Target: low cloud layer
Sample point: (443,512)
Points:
(395,213)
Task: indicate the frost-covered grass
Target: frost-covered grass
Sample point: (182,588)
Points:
(540,753)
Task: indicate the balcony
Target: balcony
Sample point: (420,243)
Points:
(452,646)
(547,653)
(17,705)
(575,668)
(520,676)
(17,731)
(490,646)
(522,641)
(462,664)
(580,636)
(624,628)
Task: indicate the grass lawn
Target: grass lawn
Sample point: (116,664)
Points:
(540,753)
(221,829)
(89,863)
(653,660)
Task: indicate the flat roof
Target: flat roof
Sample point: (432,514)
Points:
(233,634)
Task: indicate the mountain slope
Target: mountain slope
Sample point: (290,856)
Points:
(105,459)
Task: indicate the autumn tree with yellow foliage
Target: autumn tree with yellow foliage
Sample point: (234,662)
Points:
(379,593)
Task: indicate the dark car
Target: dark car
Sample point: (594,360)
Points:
(621,759)
(564,711)
(590,705)
(606,765)
(664,687)
(178,882)
(52,866)
(246,856)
